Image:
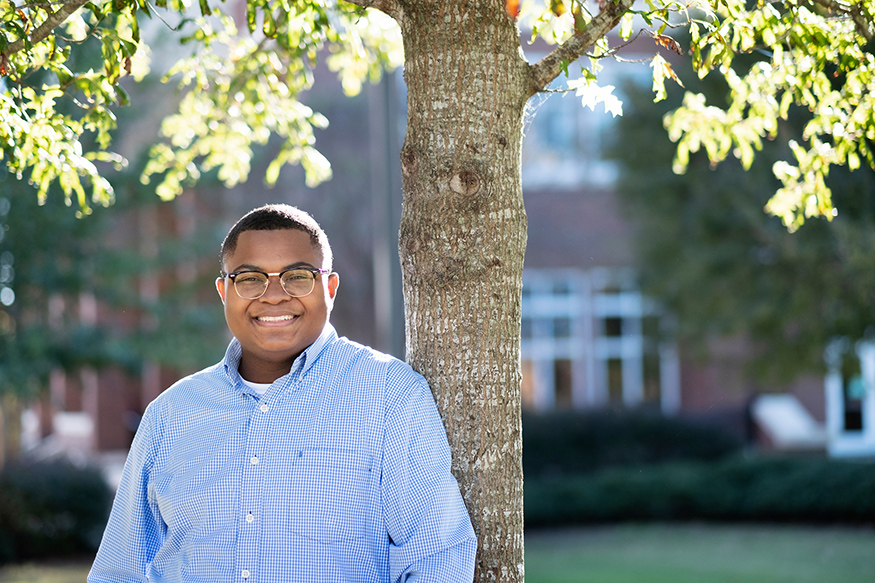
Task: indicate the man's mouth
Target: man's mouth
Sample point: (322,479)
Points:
(285,318)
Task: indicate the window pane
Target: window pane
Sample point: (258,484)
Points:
(526,328)
(562,374)
(561,287)
(652,384)
(615,380)
(614,327)
(562,328)
(854,390)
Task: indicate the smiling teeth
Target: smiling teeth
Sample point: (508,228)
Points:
(275,318)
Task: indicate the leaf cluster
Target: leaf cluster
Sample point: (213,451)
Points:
(710,254)
(63,73)
(242,90)
(56,106)
(813,54)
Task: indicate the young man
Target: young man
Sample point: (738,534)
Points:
(301,456)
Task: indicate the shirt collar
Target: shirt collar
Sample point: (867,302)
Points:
(302,364)
(307,358)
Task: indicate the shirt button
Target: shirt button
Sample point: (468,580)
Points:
(254,460)
(249,517)
(264,408)
(245,574)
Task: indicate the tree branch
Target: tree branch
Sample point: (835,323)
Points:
(857,12)
(54,20)
(543,72)
(391,7)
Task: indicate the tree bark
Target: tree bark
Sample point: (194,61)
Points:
(462,243)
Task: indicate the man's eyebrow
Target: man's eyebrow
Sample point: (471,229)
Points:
(245,267)
(250,267)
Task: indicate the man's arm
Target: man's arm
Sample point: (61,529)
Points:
(134,532)
(432,537)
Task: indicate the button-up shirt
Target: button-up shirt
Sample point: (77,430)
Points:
(339,472)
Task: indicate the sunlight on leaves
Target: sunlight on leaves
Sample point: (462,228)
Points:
(240,89)
(591,94)
(662,70)
(817,61)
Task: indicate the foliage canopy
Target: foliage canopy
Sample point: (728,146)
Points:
(707,251)
(239,89)
(818,55)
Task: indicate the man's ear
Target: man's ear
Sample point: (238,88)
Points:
(333,282)
(220,287)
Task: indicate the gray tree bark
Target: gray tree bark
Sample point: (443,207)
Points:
(462,244)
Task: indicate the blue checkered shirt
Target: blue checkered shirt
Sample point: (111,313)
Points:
(340,472)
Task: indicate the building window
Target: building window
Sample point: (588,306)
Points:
(850,398)
(590,338)
(565,142)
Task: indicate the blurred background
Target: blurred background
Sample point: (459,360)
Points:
(686,361)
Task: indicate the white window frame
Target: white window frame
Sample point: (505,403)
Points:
(588,303)
(841,442)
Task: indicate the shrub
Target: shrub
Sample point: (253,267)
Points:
(809,490)
(572,443)
(51,509)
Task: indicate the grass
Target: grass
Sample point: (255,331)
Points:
(648,553)
(656,553)
(49,572)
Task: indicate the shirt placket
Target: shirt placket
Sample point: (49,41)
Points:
(250,511)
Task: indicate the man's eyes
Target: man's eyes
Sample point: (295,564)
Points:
(297,275)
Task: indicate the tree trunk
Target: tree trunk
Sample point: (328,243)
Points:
(462,243)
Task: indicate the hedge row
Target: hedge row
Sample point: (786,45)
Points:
(810,490)
(571,443)
(50,510)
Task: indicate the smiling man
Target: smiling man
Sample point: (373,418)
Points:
(301,456)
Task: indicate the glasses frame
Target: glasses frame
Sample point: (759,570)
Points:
(316,271)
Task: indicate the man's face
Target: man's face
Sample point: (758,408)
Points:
(275,328)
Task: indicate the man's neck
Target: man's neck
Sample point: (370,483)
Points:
(257,370)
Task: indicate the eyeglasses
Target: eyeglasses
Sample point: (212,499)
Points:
(297,282)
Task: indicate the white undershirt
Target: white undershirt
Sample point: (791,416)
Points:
(259,388)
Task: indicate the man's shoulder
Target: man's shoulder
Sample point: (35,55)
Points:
(353,355)
(208,378)
(344,347)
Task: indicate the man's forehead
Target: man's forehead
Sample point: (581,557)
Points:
(286,246)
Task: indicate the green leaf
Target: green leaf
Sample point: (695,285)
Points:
(135,28)
(269,26)
(660,72)
(626,23)
(251,16)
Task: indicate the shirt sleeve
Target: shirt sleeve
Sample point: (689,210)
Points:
(432,540)
(135,531)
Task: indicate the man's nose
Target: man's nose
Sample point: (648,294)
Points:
(274,291)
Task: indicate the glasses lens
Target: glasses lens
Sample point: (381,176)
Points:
(298,282)
(250,284)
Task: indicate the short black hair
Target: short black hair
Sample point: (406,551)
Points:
(276,217)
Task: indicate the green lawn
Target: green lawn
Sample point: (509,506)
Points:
(55,572)
(655,553)
(651,553)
